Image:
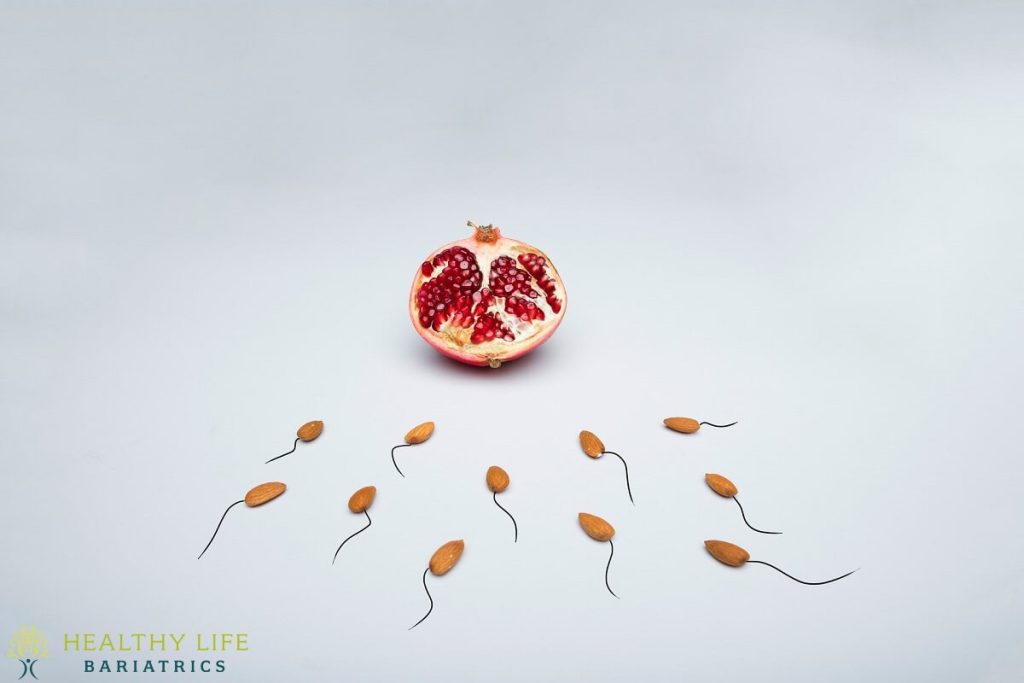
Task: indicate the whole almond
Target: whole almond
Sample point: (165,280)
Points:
(445,557)
(591,445)
(727,553)
(362,499)
(419,433)
(310,430)
(686,425)
(721,485)
(596,528)
(497,479)
(264,493)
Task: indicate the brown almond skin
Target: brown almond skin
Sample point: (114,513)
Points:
(497,479)
(686,425)
(445,557)
(727,553)
(310,430)
(591,445)
(721,485)
(362,499)
(264,493)
(419,433)
(595,527)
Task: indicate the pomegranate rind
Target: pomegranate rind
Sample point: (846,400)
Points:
(454,342)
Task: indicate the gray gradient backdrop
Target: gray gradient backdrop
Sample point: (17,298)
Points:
(803,216)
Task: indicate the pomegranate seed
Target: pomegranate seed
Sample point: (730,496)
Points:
(438,298)
(534,265)
(507,278)
(488,327)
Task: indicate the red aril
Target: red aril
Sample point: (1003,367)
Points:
(486,299)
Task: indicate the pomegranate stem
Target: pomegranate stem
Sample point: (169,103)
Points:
(484,233)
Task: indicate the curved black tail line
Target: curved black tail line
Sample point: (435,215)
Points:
(806,583)
(218,526)
(515,526)
(628,489)
(711,424)
(369,523)
(401,445)
(277,457)
(774,533)
(428,597)
(609,566)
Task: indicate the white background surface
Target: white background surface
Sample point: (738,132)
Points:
(803,216)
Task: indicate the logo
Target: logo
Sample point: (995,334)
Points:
(28,646)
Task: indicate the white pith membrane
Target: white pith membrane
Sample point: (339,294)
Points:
(536,291)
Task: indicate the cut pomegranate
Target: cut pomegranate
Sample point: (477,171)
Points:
(486,323)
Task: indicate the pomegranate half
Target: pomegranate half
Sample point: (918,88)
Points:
(486,299)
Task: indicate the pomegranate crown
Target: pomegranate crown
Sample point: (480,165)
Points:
(485,233)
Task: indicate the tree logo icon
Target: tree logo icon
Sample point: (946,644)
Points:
(28,646)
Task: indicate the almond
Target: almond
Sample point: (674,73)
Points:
(497,479)
(596,528)
(310,430)
(264,493)
(686,425)
(419,433)
(591,445)
(721,485)
(362,499)
(445,557)
(727,553)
